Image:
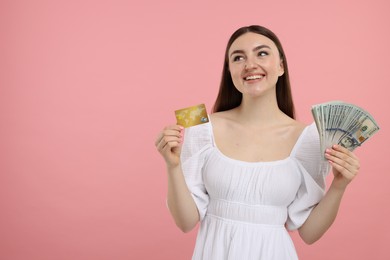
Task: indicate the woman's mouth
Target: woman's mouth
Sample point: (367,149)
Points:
(253,77)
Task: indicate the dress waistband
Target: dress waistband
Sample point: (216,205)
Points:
(254,214)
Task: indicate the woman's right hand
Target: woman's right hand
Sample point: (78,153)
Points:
(168,143)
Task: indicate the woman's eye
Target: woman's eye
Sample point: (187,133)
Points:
(262,53)
(238,58)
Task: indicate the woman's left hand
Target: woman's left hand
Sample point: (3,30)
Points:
(344,163)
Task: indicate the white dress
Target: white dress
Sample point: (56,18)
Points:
(246,207)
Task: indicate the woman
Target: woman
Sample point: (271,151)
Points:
(253,172)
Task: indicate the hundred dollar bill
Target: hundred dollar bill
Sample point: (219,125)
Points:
(342,123)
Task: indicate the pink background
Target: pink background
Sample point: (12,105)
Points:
(85,86)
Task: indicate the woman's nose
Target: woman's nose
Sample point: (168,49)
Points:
(250,64)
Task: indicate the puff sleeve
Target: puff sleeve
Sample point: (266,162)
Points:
(197,140)
(314,169)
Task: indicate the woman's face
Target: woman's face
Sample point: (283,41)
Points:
(254,64)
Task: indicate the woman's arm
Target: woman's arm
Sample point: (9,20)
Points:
(345,167)
(180,202)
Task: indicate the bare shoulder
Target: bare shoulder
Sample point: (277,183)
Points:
(293,128)
(222,120)
(298,126)
(219,116)
(224,126)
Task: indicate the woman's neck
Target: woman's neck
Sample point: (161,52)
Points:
(259,111)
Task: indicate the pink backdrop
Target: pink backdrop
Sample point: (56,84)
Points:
(86,85)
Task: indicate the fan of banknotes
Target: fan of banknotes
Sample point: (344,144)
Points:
(341,123)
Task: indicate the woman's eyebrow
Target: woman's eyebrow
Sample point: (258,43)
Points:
(261,47)
(254,49)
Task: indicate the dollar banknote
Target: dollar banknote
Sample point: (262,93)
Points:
(342,123)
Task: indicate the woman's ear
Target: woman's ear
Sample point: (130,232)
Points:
(281,68)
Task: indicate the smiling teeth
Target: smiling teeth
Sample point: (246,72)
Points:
(253,77)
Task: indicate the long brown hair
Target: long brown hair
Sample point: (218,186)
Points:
(229,97)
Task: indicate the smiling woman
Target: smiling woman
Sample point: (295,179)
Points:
(253,172)
(228,96)
(256,67)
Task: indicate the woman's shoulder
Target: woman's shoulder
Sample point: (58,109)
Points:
(310,132)
(308,152)
(296,127)
(222,121)
(197,139)
(226,118)
(222,116)
(308,141)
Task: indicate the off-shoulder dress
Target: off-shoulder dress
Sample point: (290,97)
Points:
(247,208)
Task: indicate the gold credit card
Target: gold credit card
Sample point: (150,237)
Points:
(191,116)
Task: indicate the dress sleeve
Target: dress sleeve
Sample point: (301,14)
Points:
(314,169)
(197,140)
